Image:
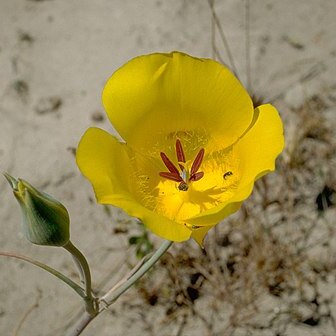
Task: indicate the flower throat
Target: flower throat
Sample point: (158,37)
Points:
(182,174)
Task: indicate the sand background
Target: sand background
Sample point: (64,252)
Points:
(55,56)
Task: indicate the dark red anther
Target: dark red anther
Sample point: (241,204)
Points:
(171,176)
(196,176)
(179,151)
(197,162)
(170,165)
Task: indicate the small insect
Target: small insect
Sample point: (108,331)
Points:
(194,227)
(228,173)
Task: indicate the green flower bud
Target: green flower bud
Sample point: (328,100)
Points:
(45,220)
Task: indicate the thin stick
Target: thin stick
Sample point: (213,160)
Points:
(213,35)
(81,324)
(132,272)
(223,38)
(247,45)
(26,314)
(52,271)
(219,56)
(114,294)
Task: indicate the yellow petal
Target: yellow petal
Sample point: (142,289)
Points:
(106,163)
(160,225)
(256,151)
(159,95)
(261,145)
(199,234)
(215,215)
(102,159)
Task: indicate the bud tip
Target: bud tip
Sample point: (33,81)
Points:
(12,181)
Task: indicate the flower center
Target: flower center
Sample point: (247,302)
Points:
(182,174)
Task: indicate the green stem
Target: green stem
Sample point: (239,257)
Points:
(112,295)
(79,269)
(52,271)
(84,271)
(81,324)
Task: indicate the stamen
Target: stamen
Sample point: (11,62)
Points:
(170,165)
(197,162)
(179,153)
(171,176)
(183,176)
(196,176)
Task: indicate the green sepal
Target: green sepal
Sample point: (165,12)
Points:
(45,220)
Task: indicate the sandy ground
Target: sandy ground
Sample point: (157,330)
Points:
(55,56)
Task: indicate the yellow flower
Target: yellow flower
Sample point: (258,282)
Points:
(193,144)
